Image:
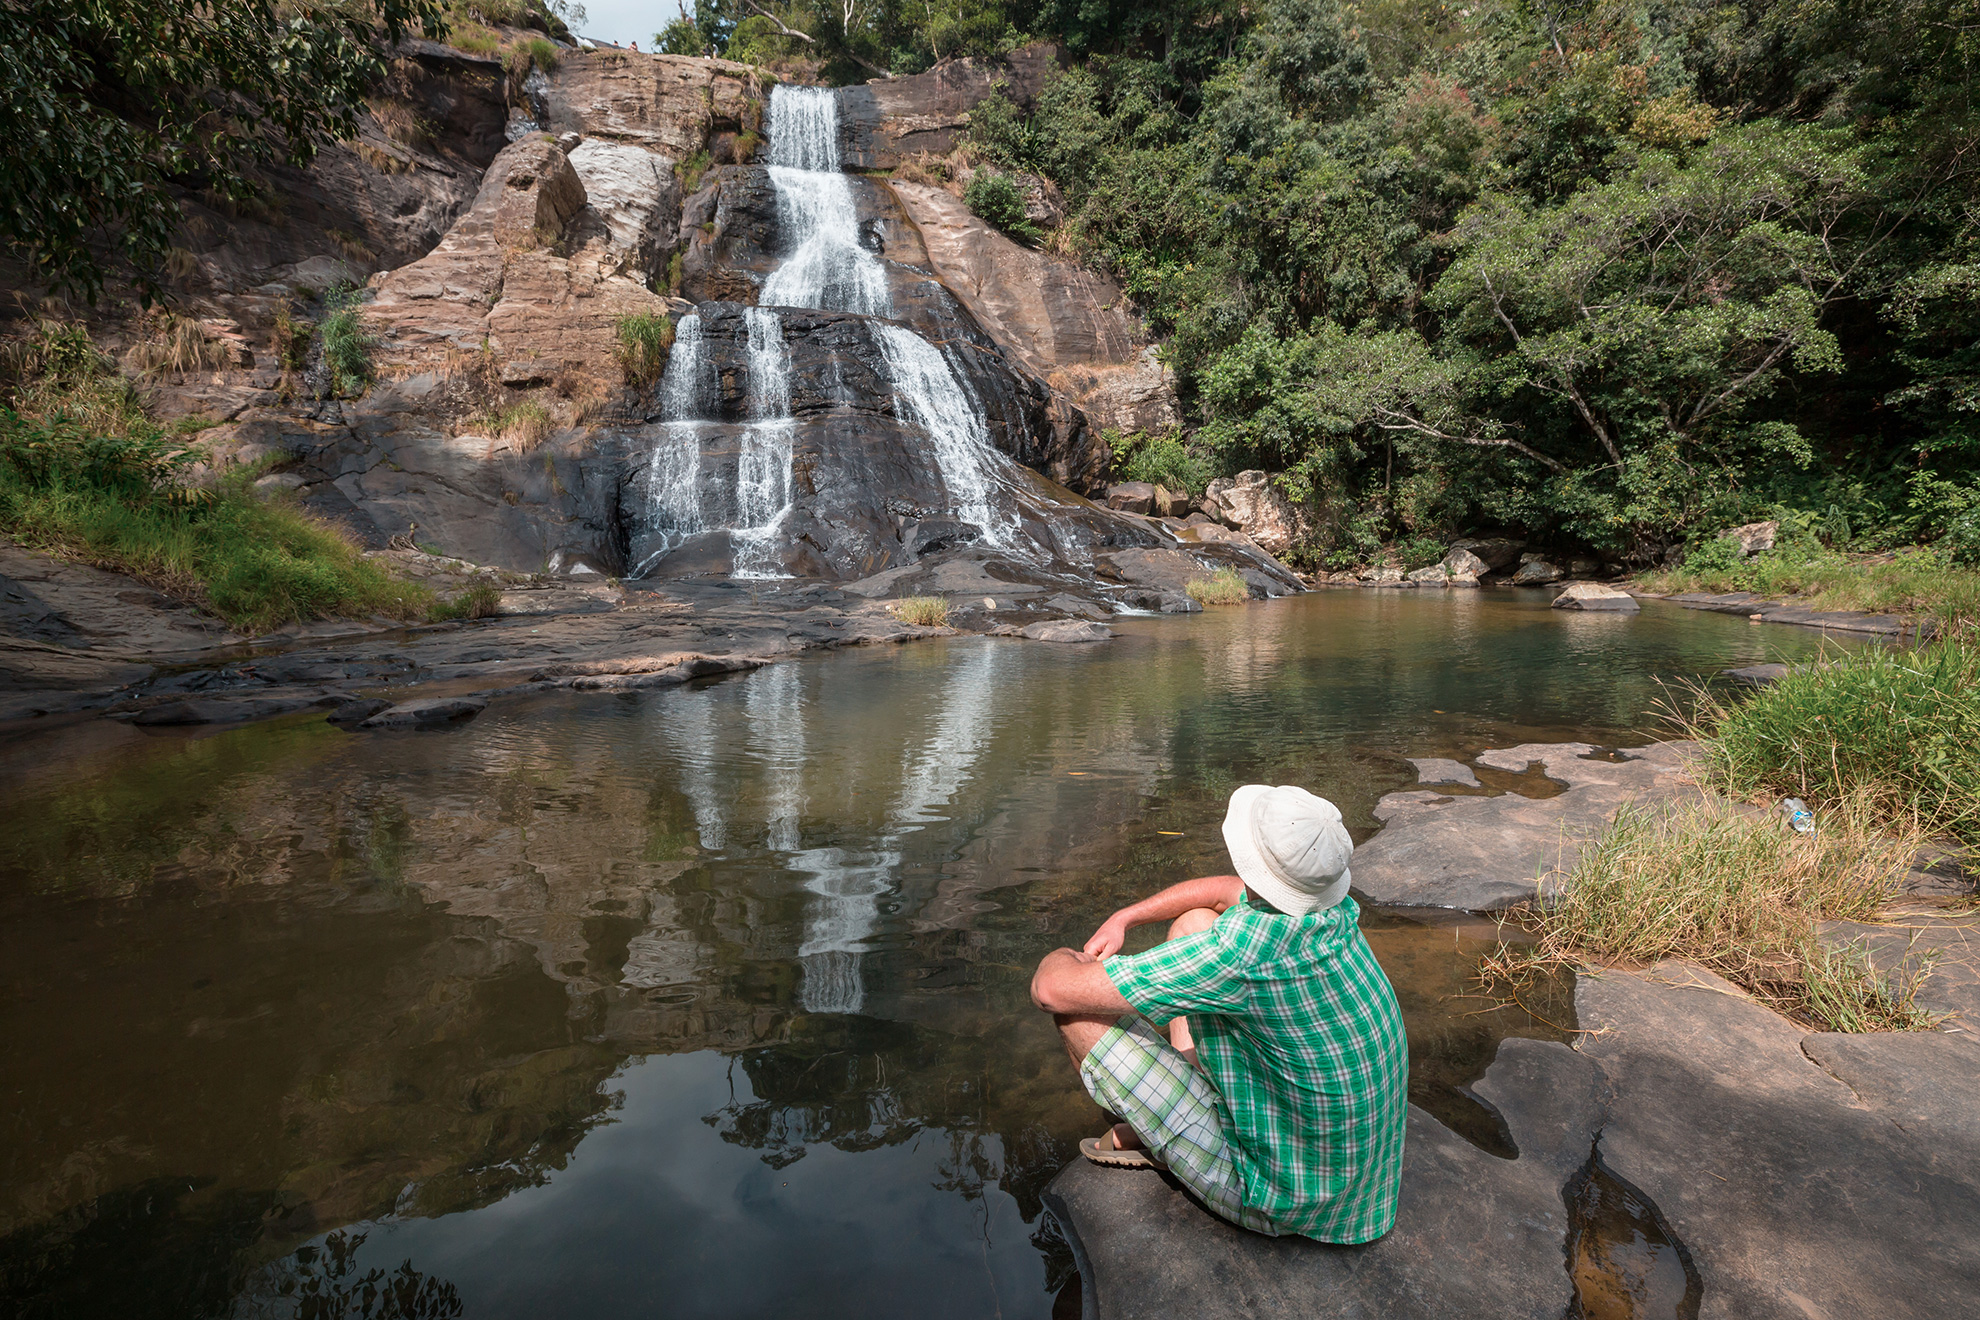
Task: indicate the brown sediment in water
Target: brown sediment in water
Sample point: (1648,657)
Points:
(1622,1257)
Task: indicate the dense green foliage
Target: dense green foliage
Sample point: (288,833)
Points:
(84,474)
(1614,275)
(106,105)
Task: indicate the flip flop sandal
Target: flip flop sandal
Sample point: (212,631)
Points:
(1114,1157)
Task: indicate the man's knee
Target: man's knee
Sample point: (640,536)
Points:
(1192,921)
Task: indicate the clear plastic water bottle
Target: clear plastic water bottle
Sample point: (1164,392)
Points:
(1799,815)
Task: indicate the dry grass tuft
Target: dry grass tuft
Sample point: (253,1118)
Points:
(1225,587)
(174,344)
(524,425)
(1741,893)
(922,611)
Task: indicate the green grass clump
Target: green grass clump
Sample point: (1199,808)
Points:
(922,611)
(532,50)
(1224,587)
(1898,727)
(1914,581)
(347,341)
(1742,895)
(641,344)
(86,475)
(481,600)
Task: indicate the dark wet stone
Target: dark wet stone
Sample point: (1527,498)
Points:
(429,713)
(357,711)
(224,710)
(1757,675)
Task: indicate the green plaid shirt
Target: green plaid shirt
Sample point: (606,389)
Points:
(1297,1026)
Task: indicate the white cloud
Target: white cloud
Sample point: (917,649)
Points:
(627,21)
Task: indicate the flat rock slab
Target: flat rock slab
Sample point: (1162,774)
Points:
(1440,770)
(225,709)
(1774,611)
(430,713)
(1807,1175)
(1475,1235)
(1482,853)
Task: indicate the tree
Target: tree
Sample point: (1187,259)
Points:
(107,105)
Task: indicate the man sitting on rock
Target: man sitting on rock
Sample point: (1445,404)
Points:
(1280,1099)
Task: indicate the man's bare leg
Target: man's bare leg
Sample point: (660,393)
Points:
(1081,1033)
(1189,923)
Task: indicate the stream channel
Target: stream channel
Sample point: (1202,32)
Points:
(702,1002)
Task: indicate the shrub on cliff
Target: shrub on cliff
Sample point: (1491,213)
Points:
(998,201)
(109,107)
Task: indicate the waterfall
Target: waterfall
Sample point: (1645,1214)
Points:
(827,269)
(673,470)
(763,468)
(930,395)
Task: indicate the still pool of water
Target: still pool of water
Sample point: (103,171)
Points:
(707,1002)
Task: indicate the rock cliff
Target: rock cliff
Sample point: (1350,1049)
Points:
(506,222)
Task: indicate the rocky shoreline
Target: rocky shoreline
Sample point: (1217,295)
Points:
(1789,1173)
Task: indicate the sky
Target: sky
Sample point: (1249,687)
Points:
(625,21)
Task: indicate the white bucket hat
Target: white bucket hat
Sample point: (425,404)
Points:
(1289,847)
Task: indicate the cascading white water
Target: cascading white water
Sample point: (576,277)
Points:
(933,399)
(763,468)
(673,469)
(827,269)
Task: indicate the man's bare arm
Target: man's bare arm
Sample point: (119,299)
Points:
(1215,892)
(1071,982)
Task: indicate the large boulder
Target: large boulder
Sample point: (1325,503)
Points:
(1463,568)
(1753,538)
(672,104)
(1253,505)
(635,198)
(1496,552)
(1536,572)
(1131,497)
(1595,596)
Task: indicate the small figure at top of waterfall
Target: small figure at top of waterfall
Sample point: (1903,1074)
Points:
(827,268)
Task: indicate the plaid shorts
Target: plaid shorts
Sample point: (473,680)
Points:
(1134,1073)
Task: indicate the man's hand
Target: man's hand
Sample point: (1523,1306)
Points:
(1107,941)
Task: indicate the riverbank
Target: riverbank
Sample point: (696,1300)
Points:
(1693,1145)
